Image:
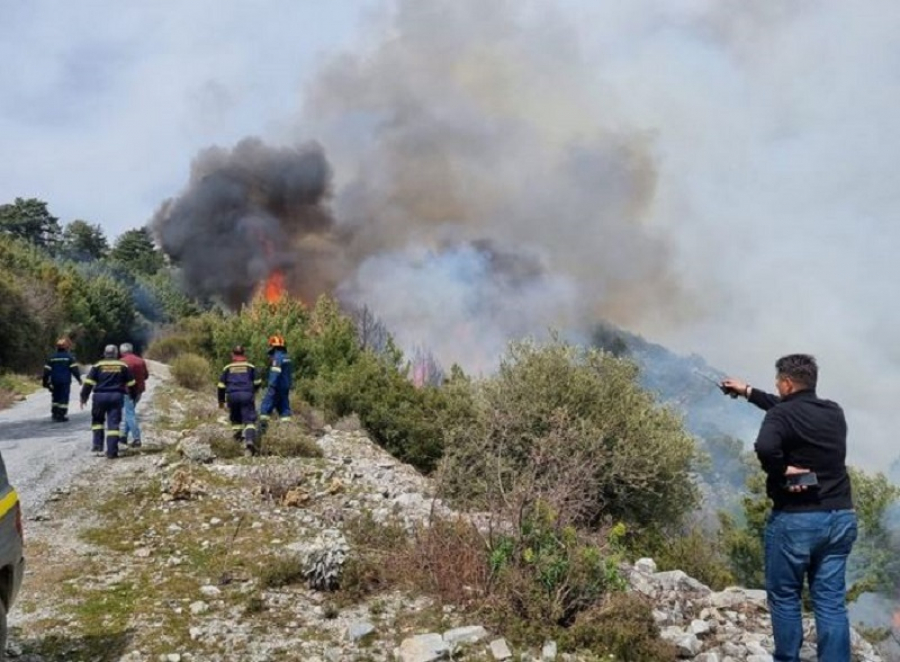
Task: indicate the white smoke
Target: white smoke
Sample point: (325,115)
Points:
(716,175)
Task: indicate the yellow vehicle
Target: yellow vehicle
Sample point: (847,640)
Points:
(12,560)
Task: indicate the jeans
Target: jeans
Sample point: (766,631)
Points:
(814,545)
(131,422)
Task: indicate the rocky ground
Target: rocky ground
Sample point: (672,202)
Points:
(171,554)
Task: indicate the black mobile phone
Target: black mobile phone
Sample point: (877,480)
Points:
(802,480)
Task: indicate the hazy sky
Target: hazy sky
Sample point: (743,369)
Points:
(718,175)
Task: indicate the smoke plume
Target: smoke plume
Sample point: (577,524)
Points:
(246,213)
(707,173)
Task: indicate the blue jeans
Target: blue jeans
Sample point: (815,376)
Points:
(131,422)
(813,545)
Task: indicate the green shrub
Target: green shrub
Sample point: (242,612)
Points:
(193,372)
(696,552)
(742,539)
(546,573)
(167,348)
(284,439)
(225,447)
(575,429)
(403,419)
(623,628)
(281,571)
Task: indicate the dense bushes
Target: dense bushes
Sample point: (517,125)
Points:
(331,371)
(193,372)
(574,429)
(43,296)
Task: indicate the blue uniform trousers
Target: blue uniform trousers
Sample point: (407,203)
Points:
(242,414)
(59,395)
(107,408)
(276,400)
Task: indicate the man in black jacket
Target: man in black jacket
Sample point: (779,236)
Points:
(812,527)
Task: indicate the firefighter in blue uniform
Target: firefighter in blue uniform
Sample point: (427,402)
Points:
(59,371)
(279,382)
(237,387)
(109,379)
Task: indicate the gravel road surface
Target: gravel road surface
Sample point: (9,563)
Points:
(42,455)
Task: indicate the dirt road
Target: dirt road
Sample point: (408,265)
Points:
(42,455)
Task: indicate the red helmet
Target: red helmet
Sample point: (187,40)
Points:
(276,341)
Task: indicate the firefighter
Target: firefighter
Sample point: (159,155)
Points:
(59,371)
(109,379)
(279,382)
(237,386)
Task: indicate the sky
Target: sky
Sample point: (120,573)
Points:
(716,175)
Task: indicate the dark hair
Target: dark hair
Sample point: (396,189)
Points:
(799,368)
(238,350)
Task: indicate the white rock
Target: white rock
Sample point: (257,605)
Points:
(500,649)
(699,627)
(359,629)
(468,634)
(548,652)
(423,648)
(210,591)
(646,566)
(199,607)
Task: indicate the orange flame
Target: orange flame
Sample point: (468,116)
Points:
(274,289)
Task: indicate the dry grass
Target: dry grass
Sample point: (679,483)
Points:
(288,440)
(14,387)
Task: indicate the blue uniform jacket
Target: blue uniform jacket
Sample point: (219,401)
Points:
(61,368)
(281,376)
(238,377)
(108,376)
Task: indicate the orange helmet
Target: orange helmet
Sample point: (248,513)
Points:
(276,341)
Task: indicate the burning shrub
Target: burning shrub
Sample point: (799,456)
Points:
(575,430)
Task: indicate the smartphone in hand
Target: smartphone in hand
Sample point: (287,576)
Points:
(807,480)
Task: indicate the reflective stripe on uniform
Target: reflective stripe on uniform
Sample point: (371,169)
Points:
(97,427)
(7,502)
(275,369)
(112,433)
(131,383)
(250,427)
(235,426)
(220,385)
(61,405)
(90,381)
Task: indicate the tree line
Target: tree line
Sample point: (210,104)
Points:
(70,280)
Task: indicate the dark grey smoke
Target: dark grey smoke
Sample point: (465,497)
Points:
(247,212)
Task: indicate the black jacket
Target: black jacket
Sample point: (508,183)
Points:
(804,431)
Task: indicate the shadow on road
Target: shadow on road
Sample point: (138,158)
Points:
(88,648)
(32,428)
